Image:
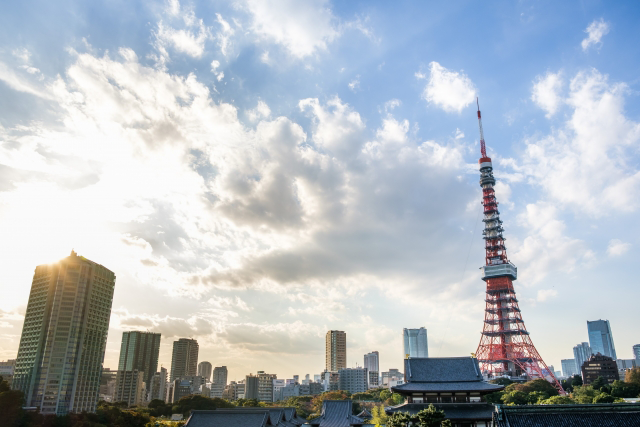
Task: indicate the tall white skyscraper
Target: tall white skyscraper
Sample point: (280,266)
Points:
(581,353)
(204,370)
(568,367)
(415,342)
(59,363)
(372,365)
(600,338)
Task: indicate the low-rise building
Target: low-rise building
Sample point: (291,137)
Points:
(130,387)
(311,389)
(265,386)
(599,365)
(180,389)
(158,386)
(107,388)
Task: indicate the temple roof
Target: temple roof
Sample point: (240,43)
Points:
(453,411)
(336,413)
(236,418)
(443,374)
(601,415)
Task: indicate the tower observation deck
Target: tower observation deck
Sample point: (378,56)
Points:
(505,347)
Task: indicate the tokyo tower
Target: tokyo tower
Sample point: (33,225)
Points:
(505,347)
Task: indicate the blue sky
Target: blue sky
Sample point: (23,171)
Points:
(256,173)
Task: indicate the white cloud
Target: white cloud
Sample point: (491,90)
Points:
(22,84)
(224,35)
(354,84)
(184,40)
(595,31)
(617,247)
(215,64)
(23,54)
(449,90)
(303,28)
(584,164)
(546,92)
(262,111)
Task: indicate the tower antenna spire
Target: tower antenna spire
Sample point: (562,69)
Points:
(505,347)
(483,149)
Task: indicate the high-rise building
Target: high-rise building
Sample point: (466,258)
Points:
(130,387)
(59,363)
(204,370)
(569,367)
(184,361)
(636,353)
(220,374)
(354,380)
(139,351)
(336,351)
(581,353)
(372,365)
(600,338)
(158,386)
(415,342)
(251,387)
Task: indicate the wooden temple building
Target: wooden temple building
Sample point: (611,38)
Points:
(452,384)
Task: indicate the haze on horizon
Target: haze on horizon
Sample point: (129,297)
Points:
(259,172)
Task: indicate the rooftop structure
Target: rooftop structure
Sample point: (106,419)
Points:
(452,384)
(601,415)
(505,347)
(337,413)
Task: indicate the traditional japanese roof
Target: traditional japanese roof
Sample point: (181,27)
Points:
(365,415)
(601,415)
(232,418)
(443,374)
(452,411)
(291,415)
(276,414)
(336,413)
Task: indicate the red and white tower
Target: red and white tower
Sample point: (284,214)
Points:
(505,347)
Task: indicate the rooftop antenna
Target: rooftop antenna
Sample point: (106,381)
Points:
(483,149)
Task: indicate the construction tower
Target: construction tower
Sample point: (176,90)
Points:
(505,348)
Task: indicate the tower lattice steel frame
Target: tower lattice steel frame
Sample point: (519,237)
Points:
(505,346)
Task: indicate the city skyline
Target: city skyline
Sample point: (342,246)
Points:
(256,177)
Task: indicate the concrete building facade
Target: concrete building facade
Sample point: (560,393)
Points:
(569,367)
(415,342)
(372,365)
(265,386)
(158,386)
(220,374)
(130,387)
(184,360)
(139,351)
(107,385)
(59,363)
(601,338)
(636,353)
(335,351)
(251,387)
(204,370)
(599,365)
(354,380)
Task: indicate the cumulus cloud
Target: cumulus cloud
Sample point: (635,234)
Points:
(261,111)
(302,28)
(617,247)
(584,164)
(546,92)
(450,90)
(354,84)
(189,40)
(595,31)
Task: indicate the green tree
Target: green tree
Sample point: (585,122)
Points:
(396,398)
(378,416)
(430,417)
(501,381)
(385,394)
(515,397)
(557,400)
(536,396)
(625,389)
(584,394)
(196,401)
(576,380)
(598,383)
(633,376)
(447,423)
(495,397)
(399,419)
(604,398)
(11,402)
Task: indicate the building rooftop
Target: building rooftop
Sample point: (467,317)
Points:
(601,415)
(445,374)
(234,418)
(336,413)
(453,411)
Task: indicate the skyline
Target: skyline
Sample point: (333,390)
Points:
(257,176)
